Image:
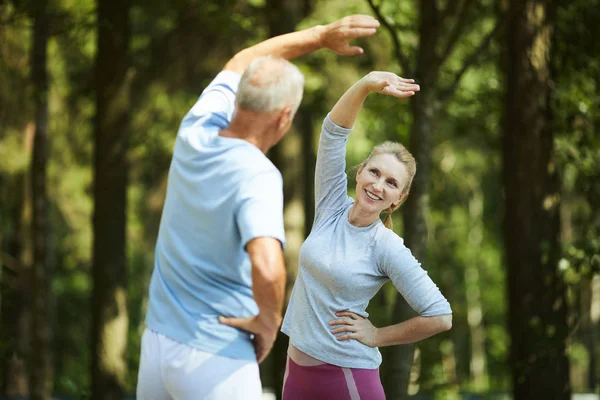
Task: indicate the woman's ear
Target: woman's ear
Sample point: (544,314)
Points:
(358,171)
(400,199)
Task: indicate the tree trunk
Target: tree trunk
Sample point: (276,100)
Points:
(16,258)
(423,108)
(588,331)
(111,132)
(309,160)
(536,292)
(42,371)
(282,17)
(477,366)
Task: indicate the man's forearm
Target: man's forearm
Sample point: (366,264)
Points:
(268,286)
(413,330)
(288,46)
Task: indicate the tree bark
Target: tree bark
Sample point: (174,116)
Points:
(282,17)
(423,108)
(478,362)
(111,133)
(16,259)
(536,292)
(42,371)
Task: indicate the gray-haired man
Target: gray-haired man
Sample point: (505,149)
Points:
(217,288)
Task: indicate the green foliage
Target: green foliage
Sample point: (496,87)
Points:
(177,47)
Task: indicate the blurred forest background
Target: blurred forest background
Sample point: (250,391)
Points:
(504,213)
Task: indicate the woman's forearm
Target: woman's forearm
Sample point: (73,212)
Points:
(345,111)
(412,330)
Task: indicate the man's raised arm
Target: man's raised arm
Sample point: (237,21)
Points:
(334,36)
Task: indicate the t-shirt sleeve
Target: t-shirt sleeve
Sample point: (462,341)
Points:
(215,106)
(410,279)
(261,208)
(331,181)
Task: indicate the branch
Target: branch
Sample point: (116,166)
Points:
(399,53)
(459,27)
(470,60)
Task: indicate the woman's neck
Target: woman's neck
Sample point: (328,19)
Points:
(360,218)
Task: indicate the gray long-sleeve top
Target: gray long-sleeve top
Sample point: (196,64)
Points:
(341,267)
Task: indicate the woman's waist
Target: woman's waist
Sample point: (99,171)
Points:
(303,359)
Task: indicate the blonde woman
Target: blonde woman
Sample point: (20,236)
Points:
(348,256)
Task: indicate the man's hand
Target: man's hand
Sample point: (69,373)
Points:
(264,335)
(336,35)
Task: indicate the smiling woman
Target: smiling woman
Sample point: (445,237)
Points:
(384,180)
(347,258)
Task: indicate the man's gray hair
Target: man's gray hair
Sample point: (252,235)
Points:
(270,84)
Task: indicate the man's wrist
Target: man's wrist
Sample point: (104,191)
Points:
(319,32)
(271,322)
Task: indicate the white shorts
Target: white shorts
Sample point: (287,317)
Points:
(173,370)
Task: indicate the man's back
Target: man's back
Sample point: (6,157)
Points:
(222,192)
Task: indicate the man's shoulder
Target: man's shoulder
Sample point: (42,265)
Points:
(249,161)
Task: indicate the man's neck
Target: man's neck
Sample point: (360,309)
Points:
(251,127)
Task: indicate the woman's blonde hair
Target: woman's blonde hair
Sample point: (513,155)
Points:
(402,155)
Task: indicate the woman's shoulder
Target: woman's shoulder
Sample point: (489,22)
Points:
(385,237)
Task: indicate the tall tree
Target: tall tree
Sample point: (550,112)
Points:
(440,27)
(42,375)
(111,132)
(537,305)
(296,163)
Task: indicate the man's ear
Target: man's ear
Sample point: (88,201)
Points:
(285,117)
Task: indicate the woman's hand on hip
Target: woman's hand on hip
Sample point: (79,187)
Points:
(354,327)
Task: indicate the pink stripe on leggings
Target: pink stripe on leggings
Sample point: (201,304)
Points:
(327,382)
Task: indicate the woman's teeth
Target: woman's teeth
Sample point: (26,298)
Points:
(372,196)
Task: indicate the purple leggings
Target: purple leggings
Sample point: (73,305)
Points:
(330,382)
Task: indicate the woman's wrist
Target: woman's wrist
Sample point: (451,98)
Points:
(363,87)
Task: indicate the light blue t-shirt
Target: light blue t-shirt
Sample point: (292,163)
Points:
(341,267)
(222,193)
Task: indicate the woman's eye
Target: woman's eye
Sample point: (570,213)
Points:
(373,171)
(392,183)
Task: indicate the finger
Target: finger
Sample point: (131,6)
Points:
(359,32)
(346,328)
(261,349)
(364,21)
(408,88)
(341,321)
(348,314)
(406,80)
(397,93)
(347,337)
(348,50)
(241,323)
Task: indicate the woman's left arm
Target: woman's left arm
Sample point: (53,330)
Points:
(395,261)
(410,331)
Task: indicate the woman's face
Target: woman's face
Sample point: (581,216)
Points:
(380,182)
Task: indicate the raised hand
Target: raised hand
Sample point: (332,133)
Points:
(357,328)
(390,84)
(336,35)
